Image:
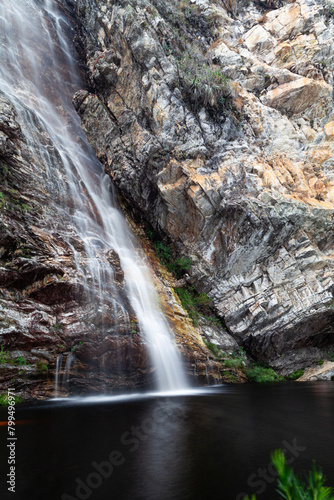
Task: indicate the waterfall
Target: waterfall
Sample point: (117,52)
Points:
(39,74)
(57,375)
(66,376)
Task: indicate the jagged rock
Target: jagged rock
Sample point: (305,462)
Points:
(218,336)
(323,372)
(302,95)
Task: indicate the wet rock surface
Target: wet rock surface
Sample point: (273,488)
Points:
(47,309)
(247,192)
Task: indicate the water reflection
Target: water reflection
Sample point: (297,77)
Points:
(188,447)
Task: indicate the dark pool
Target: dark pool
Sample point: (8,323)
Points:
(212,445)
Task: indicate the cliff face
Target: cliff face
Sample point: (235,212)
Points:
(215,121)
(64,303)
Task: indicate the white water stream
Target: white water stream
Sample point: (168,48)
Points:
(38,73)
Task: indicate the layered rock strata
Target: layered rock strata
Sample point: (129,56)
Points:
(233,167)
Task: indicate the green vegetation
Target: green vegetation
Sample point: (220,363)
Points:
(294,375)
(202,82)
(6,359)
(3,200)
(260,373)
(236,359)
(176,266)
(214,349)
(11,200)
(4,399)
(20,361)
(233,363)
(292,487)
(255,372)
(331,357)
(133,326)
(74,347)
(196,304)
(41,367)
(320,362)
(57,327)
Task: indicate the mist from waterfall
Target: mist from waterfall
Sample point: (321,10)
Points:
(39,74)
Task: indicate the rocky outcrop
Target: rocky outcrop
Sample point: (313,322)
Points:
(323,372)
(237,174)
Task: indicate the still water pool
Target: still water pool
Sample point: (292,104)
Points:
(209,444)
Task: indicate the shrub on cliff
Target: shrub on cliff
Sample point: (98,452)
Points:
(258,373)
(203,84)
(176,266)
(194,303)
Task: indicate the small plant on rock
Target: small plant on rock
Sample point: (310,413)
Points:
(42,368)
(4,358)
(20,361)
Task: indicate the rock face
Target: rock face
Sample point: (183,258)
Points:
(237,174)
(323,372)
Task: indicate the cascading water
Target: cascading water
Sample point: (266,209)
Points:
(39,74)
(66,376)
(57,374)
